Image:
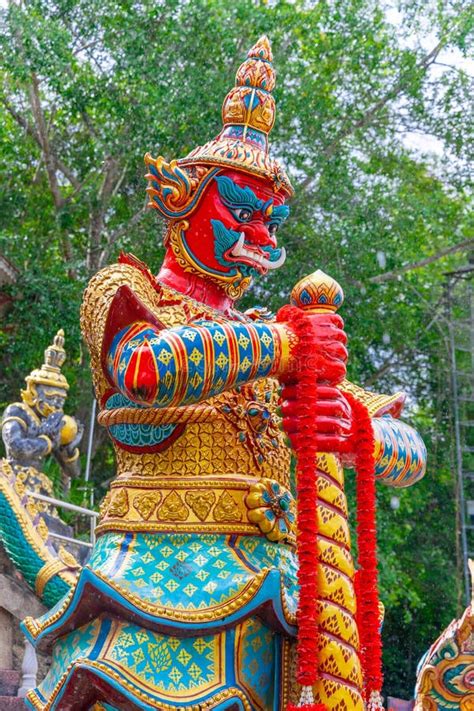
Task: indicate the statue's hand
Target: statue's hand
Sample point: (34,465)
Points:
(332,418)
(51,427)
(329,355)
(326,357)
(326,360)
(77,439)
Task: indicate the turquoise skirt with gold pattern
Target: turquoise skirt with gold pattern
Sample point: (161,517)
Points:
(171,621)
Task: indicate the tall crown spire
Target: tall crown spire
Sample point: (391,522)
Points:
(248,115)
(50,372)
(250,103)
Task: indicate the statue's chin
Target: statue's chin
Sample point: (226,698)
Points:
(45,409)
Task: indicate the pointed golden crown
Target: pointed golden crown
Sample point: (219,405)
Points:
(50,372)
(248,115)
(250,103)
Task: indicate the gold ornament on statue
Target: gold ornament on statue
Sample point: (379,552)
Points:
(69,430)
(50,372)
(317,292)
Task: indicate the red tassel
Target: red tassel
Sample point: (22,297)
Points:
(367,577)
(306,707)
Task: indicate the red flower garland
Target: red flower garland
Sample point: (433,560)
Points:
(307,514)
(307,517)
(367,577)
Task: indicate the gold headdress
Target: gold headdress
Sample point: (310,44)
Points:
(50,372)
(248,115)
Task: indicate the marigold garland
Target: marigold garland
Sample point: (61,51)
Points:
(307,496)
(367,577)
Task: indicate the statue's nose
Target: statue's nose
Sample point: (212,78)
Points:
(257,233)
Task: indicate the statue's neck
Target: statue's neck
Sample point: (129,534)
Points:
(198,288)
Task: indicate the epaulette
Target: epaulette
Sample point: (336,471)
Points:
(376,404)
(131,260)
(17,412)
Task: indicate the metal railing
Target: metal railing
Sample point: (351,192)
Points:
(93,516)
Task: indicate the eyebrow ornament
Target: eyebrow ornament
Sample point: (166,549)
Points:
(267,208)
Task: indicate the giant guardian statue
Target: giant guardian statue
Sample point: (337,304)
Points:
(211,585)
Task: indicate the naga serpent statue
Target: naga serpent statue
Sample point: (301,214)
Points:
(445,674)
(190,597)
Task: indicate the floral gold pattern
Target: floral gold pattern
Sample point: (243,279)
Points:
(272,508)
(227,508)
(147,503)
(119,504)
(173,508)
(201,503)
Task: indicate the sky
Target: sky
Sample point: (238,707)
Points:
(424,143)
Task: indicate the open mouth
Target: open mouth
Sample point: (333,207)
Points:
(254,256)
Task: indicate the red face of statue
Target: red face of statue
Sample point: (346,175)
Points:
(233,231)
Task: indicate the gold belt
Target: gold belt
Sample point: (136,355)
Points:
(222,504)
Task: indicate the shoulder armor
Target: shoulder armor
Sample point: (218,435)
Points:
(17,412)
(375,403)
(128,258)
(100,293)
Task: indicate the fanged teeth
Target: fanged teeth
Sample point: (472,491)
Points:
(240,243)
(240,250)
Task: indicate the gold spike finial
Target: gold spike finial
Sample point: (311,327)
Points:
(50,372)
(248,115)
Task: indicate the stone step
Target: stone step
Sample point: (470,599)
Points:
(9,683)
(11,703)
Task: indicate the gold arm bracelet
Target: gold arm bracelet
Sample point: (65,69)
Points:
(74,457)
(48,441)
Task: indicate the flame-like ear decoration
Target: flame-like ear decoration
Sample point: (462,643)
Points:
(174,190)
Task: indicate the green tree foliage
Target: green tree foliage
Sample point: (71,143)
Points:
(89,86)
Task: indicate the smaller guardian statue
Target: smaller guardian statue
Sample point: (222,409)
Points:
(37,426)
(32,430)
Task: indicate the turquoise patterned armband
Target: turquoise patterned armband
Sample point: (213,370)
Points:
(184,365)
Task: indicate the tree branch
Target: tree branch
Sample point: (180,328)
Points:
(111,177)
(31,131)
(120,232)
(42,132)
(88,45)
(390,276)
(43,137)
(372,112)
(453,68)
